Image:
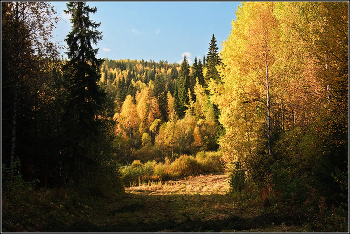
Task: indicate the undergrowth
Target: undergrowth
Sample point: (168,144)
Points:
(28,208)
(295,202)
(203,163)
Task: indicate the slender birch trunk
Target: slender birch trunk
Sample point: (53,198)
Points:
(267,104)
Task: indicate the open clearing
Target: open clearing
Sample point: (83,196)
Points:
(202,185)
(196,203)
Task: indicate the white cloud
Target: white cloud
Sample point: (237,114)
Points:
(106,49)
(188,54)
(157,30)
(189,61)
(135,31)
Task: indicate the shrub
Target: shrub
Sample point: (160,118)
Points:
(210,162)
(105,182)
(184,166)
(148,171)
(146,153)
(136,173)
(131,174)
(136,164)
(237,178)
(293,189)
(160,171)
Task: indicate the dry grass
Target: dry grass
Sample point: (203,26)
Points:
(202,185)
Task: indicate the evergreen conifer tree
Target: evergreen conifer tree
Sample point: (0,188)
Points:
(213,59)
(181,89)
(86,98)
(198,71)
(160,93)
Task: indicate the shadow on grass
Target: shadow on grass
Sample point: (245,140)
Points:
(233,223)
(151,213)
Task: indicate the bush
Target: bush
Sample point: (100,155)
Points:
(136,173)
(148,168)
(161,171)
(136,164)
(210,162)
(146,153)
(131,174)
(293,189)
(184,166)
(237,178)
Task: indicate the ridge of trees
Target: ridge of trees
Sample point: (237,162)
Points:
(165,103)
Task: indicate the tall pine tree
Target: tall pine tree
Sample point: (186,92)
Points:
(159,92)
(213,59)
(85,96)
(198,71)
(181,89)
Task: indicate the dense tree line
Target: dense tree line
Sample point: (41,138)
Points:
(161,109)
(56,129)
(283,98)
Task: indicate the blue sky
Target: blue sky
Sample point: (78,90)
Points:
(155,30)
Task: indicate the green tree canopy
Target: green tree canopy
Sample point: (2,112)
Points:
(213,60)
(181,89)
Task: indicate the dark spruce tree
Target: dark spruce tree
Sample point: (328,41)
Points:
(82,69)
(160,93)
(173,77)
(181,89)
(85,122)
(197,72)
(213,59)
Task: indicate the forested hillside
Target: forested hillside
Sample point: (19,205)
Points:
(270,111)
(160,109)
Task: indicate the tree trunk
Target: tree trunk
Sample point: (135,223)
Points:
(14,116)
(267,104)
(15,102)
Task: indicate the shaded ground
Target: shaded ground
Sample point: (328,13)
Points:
(193,204)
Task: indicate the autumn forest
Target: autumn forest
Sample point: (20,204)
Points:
(267,116)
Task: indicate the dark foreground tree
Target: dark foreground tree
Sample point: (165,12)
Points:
(28,60)
(85,123)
